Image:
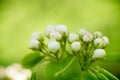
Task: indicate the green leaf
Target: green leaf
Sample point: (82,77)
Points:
(112,57)
(108,74)
(88,75)
(32,59)
(100,76)
(68,69)
(33,76)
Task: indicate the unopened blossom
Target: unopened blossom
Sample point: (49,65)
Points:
(98,42)
(16,72)
(35,36)
(82,32)
(99,54)
(75,46)
(87,37)
(105,41)
(73,37)
(97,34)
(62,29)
(34,44)
(50,29)
(55,35)
(53,46)
(11,72)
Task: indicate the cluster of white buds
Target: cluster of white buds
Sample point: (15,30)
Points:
(34,42)
(14,72)
(82,44)
(101,42)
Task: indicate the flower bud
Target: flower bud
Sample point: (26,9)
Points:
(75,46)
(50,29)
(55,35)
(73,37)
(35,35)
(98,54)
(82,32)
(34,44)
(87,37)
(53,46)
(97,34)
(98,42)
(105,41)
(62,29)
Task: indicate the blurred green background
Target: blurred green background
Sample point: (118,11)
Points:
(19,18)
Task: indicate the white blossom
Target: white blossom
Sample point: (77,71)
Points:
(87,37)
(98,42)
(53,46)
(73,37)
(16,72)
(35,36)
(105,41)
(82,32)
(75,46)
(50,29)
(99,54)
(97,34)
(55,35)
(34,44)
(62,29)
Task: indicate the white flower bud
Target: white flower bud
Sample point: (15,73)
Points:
(73,37)
(53,46)
(55,35)
(62,29)
(34,44)
(75,46)
(82,32)
(98,42)
(50,29)
(35,35)
(97,34)
(105,41)
(87,37)
(98,54)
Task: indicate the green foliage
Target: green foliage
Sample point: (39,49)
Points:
(88,75)
(68,69)
(108,74)
(32,59)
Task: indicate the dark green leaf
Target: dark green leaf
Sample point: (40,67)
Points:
(32,59)
(108,74)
